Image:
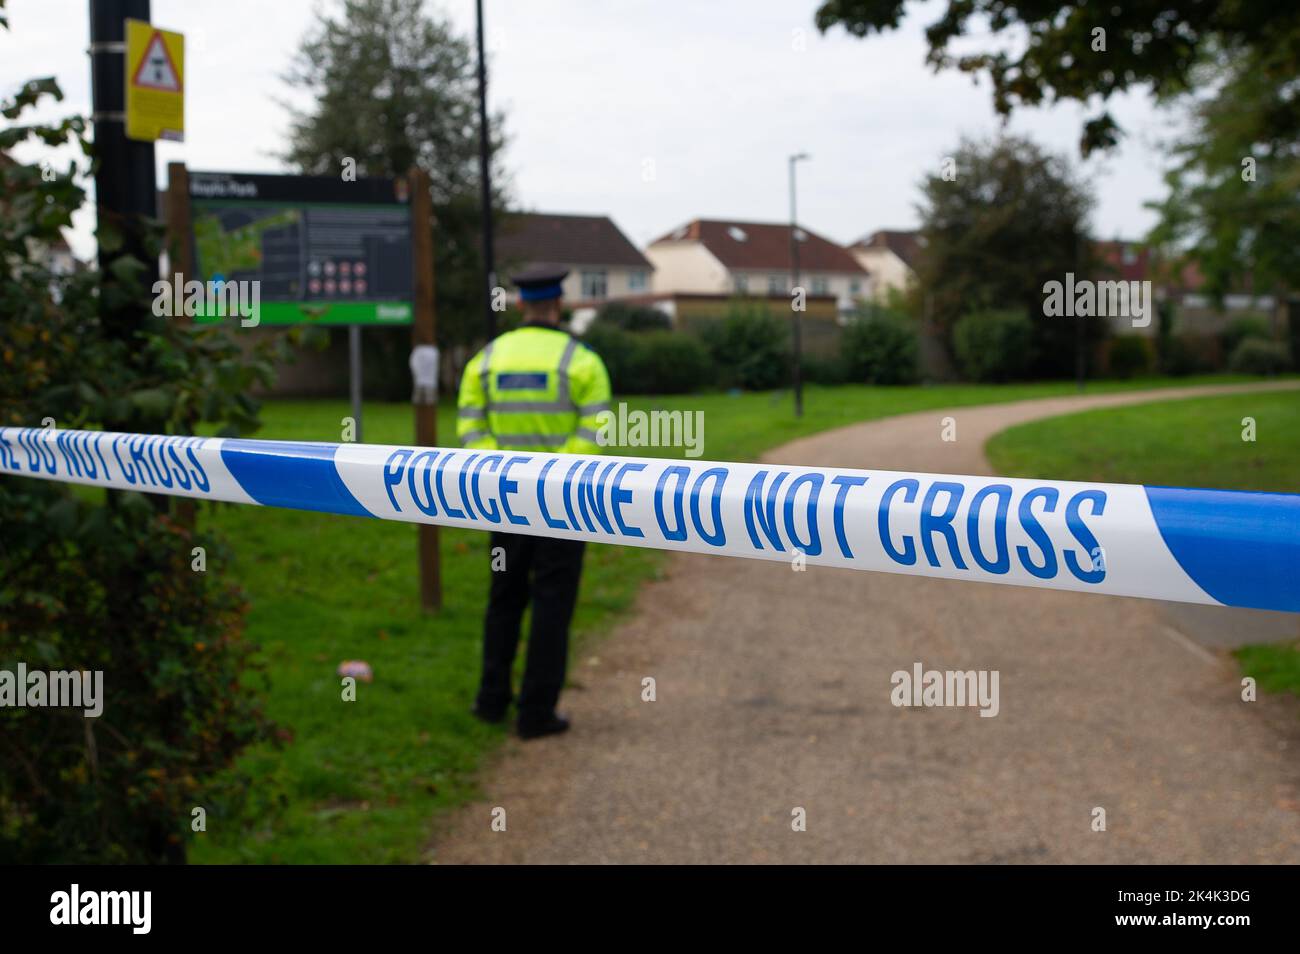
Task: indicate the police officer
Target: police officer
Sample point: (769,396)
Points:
(532,389)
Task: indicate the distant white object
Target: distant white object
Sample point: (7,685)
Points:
(424,372)
(737,233)
(581,320)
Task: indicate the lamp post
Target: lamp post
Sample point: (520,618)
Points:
(485,182)
(796,314)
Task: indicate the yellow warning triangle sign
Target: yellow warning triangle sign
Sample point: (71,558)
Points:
(156,69)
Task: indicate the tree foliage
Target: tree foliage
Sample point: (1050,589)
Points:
(750,346)
(881,346)
(1232,201)
(94,582)
(1039,52)
(392,86)
(1234,189)
(994,345)
(1014,218)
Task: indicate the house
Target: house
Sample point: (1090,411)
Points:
(602,262)
(729,258)
(1119,260)
(1180,282)
(891,256)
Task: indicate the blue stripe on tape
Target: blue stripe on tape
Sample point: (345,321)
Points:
(290,474)
(1241,548)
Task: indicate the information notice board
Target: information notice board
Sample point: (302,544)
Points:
(325,250)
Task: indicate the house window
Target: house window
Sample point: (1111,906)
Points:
(776,284)
(1129,255)
(636,281)
(855,288)
(820,285)
(742,284)
(595,284)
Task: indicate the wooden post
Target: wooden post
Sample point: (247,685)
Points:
(180,250)
(424,332)
(180,261)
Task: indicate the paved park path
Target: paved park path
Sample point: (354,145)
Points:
(773,693)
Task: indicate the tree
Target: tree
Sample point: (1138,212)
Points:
(1234,190)
(395,87)
(108,585)
(1041,51)
(1014,218)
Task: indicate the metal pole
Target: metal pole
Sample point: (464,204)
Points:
(354,373)
(1080,345)
(485,184)
(796,314)
(125,188)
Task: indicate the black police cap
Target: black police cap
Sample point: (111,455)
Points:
(540,283)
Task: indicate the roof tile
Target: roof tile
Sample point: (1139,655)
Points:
(763,245)
(536,237)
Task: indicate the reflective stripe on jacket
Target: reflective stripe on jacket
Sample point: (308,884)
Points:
(534,388)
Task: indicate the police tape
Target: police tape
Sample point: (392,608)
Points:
(1218,547)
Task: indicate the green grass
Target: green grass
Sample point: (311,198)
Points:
(365,781)
(1276,668)
(742,426)
(1191,442)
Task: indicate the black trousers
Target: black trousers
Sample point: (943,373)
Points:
(545,571)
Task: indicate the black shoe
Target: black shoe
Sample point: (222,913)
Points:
(490,716)
(536,728)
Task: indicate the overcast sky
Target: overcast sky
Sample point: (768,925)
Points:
(651,111)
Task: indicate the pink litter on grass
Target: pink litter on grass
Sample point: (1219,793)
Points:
(357,669)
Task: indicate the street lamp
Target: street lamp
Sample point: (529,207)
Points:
(485,181)
(796,313)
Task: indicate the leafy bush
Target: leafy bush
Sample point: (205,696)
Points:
(1243,327)
(1129,355)
(1192,354)
(655,362)
(994,345)
(616,348)
(670,363)
(111,589)
(818,369)
(630,317)
(1166,318)
(750,347)
(1257,356)
(103,582)
(881,349)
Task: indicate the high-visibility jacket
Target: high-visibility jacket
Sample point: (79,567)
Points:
(534,388)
